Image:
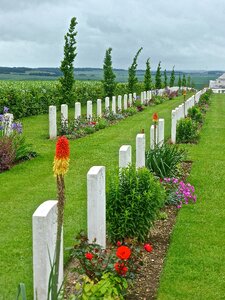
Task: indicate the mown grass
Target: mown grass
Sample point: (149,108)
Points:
(27,185)
(195,267)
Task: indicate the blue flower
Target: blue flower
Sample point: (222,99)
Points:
(5,109)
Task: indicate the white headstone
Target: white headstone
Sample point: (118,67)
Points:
(107,105)
(161,126)
(140,150)
(125,101)
(173,126)
(120,103)
(99,107)
(130,99)
(145,97)
(52,122)
(142,97)
(77,110)
(153,136)
(89,110)
(64,114)
(96,206)
(7,123)
(124,156)
(114,104)
(134,97)
(44,229)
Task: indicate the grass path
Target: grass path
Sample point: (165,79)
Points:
(195,265)
(27,185)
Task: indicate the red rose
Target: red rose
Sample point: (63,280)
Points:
(120,268)
(123,252)
(148,247)
(118,243)
(89,255)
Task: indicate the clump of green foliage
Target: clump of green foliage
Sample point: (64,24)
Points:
(134,198)
(109,83)
(195,114)
(187,131)
(164,160)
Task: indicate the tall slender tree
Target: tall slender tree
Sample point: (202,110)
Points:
(179,81)
(109,83)
(172,77)
(67,68)
(132,78)
(165,78)
(184,82)
(148,76)
(189,81)
(158,80)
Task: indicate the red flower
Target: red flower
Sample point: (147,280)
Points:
(155,118)
(148,247)
(118,243)
(89,255)
(123,252)
(62,148)
(120,268)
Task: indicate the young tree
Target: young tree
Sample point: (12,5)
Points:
(189,81)
(109,83)
(179,81)
(67,67)
(184,83)
(172,77)
(165,79)
(158,81)
(132,78)
(148,77)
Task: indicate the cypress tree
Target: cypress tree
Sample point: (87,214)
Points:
(158,81)
(132,78)
(172,77)
(109,83)
(67,68)
(179,81)
(148,77)
(165,79)
(189,81)
(184,83)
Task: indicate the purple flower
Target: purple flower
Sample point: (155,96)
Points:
(5,109)
(1,118)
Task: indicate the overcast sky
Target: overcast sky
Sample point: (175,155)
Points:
(189,34)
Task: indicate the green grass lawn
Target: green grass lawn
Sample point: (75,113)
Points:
(195,264)
(27,185)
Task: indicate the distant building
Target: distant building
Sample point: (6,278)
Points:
(218,85)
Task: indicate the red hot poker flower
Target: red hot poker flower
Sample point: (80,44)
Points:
(61,160)
(89,255)
(120,268)
(148,247)
(123,252)
(155,118)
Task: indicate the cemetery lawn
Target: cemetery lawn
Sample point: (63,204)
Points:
(195,268)
(27,185)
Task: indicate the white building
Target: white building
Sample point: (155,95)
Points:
(218,85)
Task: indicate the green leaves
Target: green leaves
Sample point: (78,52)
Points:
(21,292)
(164,161)
(133,200)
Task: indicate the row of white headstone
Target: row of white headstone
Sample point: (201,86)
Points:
(44,219)
(117,104)
(7,122)
(181,112)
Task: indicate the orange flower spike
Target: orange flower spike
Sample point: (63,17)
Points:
(155,118)
(61,160)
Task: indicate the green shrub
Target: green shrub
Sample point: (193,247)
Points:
(205,98)
(187,131)
(195,114)
(164,161)
(134,198)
